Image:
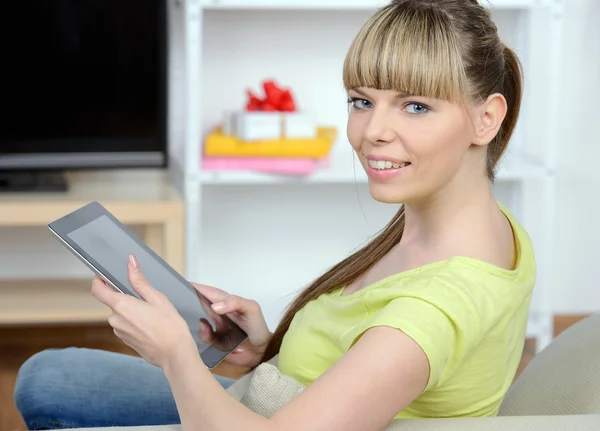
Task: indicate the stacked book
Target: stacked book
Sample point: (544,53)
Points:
(270,135)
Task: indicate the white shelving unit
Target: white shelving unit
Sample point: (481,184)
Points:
(265,236)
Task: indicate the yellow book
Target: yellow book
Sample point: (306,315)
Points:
(218,144)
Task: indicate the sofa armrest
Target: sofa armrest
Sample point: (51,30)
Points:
(500,423)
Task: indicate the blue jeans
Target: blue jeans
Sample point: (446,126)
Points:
(79,388)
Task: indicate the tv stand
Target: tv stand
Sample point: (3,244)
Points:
(33,181)
(144,199)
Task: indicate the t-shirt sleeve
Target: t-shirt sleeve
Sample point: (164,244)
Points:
(439,318)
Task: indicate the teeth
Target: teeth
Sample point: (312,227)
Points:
(386,164)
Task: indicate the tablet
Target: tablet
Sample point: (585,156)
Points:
(104,244)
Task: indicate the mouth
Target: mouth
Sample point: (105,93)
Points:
(383,170)
(382,165)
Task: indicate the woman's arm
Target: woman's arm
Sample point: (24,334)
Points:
(376,379)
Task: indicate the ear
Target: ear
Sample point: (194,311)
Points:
(490,115)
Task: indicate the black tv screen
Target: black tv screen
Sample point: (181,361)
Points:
(83,83)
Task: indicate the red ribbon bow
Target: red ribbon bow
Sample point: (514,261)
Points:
(276,99)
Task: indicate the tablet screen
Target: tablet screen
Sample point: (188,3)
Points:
(107,244)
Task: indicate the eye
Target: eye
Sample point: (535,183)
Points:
(360,104)
(417,108)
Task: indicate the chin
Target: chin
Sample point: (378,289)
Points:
(386,193)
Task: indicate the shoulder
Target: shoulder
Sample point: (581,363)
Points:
(446,310)
(484,286)
(458,284)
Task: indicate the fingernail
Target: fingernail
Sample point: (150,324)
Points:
(238,350)
(218,306)
(133,261)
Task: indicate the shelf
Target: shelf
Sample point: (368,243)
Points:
(513,169)
(140,185)
(338,4)
(297,4)
(34,302)
(133,195)
(324,176)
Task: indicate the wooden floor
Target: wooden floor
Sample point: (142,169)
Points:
(18,344)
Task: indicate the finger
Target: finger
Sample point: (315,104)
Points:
(221,326)
(205,332)
(118,333)
(104,293)
(139,283)
(115,321)
(211,293)
(234,303)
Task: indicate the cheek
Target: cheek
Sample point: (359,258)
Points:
(444,148)
(354,131)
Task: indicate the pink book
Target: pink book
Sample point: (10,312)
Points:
(286,166)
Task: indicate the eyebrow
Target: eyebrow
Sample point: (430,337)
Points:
(400,95)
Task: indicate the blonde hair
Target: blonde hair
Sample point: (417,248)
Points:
(442,49)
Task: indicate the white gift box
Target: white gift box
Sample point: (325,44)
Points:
(229,123)
(299,125)
(257,126)
(261,125)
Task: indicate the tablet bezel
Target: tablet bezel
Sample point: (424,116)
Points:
(63,226)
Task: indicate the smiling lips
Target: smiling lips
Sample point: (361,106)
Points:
(386,164)
(384,169)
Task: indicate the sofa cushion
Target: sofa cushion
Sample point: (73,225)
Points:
(563,379)
(269,390)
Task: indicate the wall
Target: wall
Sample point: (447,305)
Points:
(578,231)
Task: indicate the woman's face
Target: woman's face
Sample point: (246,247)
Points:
(410,147)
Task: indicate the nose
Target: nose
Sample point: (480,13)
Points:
(379,129)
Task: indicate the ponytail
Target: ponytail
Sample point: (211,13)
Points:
(340,275)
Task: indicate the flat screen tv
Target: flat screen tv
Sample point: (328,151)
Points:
(83,85)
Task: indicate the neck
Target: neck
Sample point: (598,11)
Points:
(459,204)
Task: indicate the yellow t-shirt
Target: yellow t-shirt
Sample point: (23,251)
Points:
(468,316)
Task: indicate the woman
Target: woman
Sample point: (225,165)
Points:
(428,320)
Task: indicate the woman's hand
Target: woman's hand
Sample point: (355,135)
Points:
(151,327)
(247,314)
